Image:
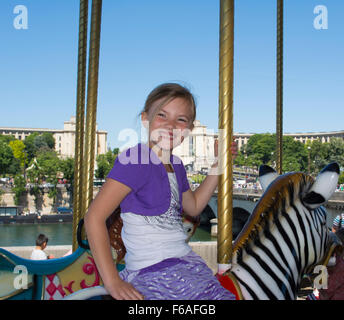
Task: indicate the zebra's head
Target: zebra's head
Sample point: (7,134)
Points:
(286,235)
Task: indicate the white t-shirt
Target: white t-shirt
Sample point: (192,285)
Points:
(151,239)
(38,254)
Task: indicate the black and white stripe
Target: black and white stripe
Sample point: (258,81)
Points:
(285,237)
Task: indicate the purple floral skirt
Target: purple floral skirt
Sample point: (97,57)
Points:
(185,278)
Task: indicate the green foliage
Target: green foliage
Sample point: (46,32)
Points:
(37,192)
(18,149)
(198,178)
(48,138)
(48,163)
(30,146)
(19,188)
(341,178)
(336,151)
(52,193)
(294,155)
(15,154)
(6,157)
(105,163)
(261,149)
(1,194)
(66,166)
(48,167)
(6,138)
(37,143)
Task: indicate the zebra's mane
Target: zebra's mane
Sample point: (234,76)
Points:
(277,198)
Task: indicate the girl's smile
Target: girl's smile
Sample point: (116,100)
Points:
(169,124)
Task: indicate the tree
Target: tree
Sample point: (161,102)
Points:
(294,155)
(6,158)
(336,151)
(30,146)
(6,138)
(115,151)
(18,148)
(322,154)
(19,188)
(66,166)
(36,142)
(341,178)
(49,140)
(105,163)
(318,155)
(261,149)
(49,164)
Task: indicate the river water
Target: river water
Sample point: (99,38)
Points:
(61,233)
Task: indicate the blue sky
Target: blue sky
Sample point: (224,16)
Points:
(147,42)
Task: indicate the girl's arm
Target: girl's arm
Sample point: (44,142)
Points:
(194,202)
(106,201)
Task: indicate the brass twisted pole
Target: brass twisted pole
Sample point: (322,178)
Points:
(279,88)
(91,112)
(80,118)
(225,187)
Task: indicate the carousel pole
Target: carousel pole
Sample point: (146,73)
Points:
(279,87)
(225,187)
(91,112)
(80,118)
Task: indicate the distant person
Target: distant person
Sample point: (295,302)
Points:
(335,279)
(338,222)
(41,244)
(335,285)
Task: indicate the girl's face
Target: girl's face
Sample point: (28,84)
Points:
(170,124)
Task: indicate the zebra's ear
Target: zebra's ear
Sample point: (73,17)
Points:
(266,176)
(323,187)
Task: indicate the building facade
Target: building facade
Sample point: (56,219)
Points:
(64,138)
(242,138)
(197,150)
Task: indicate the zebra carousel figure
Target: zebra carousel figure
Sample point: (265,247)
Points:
(286,236)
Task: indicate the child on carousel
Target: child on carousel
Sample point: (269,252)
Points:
(151,187)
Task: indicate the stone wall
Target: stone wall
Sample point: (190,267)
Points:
(43,204)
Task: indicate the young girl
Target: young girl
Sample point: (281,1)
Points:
(150,185)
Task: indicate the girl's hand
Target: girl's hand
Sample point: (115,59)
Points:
(122,290)
(234,150)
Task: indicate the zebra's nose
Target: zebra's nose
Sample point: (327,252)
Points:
(332,167)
